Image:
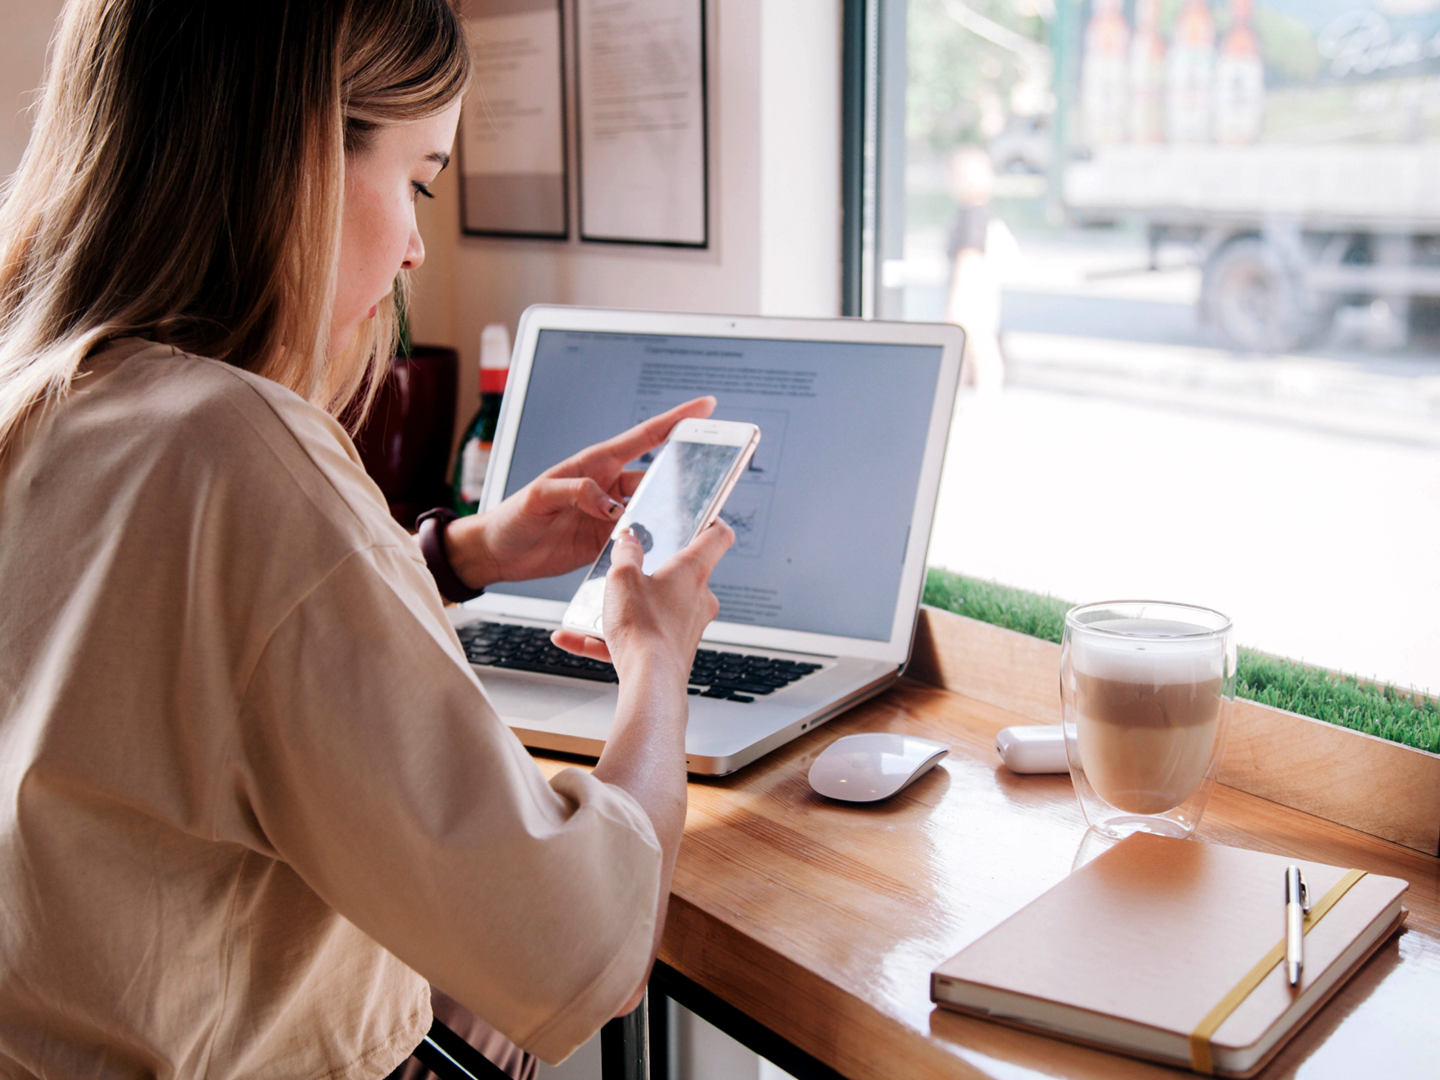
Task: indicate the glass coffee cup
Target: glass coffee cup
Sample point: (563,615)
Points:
(1148,689)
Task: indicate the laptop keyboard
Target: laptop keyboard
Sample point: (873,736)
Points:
(731,676)
(738,677)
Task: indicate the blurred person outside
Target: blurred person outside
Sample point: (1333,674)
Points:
(974,294)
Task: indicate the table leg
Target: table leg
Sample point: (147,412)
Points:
(665,981)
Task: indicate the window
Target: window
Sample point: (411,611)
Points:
(1197,248)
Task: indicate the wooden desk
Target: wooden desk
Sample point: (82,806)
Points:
(823,921)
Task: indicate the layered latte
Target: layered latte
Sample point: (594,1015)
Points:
(1148,700)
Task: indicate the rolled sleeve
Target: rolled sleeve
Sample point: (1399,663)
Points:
(371,762)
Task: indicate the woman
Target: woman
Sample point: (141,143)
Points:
(251,795)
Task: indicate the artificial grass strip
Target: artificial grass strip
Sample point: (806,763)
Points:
(1401,716)
(1000,605)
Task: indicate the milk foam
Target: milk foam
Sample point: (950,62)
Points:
(1153,652)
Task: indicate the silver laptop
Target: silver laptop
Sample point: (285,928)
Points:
(819,594)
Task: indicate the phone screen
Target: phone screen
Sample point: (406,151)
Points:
(667,511)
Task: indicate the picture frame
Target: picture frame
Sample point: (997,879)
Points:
(643,124)
(514,153)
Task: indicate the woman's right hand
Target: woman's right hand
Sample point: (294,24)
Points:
(652,628)
(656,619)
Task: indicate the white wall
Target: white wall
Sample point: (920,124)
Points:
(25,28)
(800,158)
(495,280)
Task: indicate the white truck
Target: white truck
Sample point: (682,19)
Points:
(1336,201)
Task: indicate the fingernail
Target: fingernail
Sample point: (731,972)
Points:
(613,508)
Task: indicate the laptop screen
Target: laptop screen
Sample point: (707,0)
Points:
(822,514)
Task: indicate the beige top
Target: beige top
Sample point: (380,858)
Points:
(249,786)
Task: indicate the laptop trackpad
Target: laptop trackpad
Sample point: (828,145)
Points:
(534,699)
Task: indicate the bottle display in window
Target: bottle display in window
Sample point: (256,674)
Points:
(1239,81)
(1147,75)
(1104,88)
(1190,74)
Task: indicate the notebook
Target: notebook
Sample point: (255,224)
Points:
(820,592)
(1147,949)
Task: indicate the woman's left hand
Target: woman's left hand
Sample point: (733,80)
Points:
(562,518)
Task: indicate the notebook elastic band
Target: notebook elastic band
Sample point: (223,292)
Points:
(1200,1037)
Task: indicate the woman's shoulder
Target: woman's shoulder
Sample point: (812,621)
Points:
(196,420)
(178,393)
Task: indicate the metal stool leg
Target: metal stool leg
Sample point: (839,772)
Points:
(625,1045)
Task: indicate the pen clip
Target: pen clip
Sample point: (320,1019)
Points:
(1296,891)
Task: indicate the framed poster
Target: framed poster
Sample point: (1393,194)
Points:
(512,125)
(642,119)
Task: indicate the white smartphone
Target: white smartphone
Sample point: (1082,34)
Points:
(681,493)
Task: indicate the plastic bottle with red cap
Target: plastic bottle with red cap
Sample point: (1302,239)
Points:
(468,483)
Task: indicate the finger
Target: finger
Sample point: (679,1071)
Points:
(595,501)
(645,436)
(592,648)
(712,543)
(627,554)
(702,553)
(581,493)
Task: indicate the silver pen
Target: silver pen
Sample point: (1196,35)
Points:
(1297,905)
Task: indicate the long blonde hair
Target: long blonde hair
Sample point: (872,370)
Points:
(184,183)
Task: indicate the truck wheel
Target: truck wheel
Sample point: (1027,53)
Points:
(1254,302)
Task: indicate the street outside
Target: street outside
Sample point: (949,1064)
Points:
(1128,456)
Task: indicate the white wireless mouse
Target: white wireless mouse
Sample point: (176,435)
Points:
(872,766)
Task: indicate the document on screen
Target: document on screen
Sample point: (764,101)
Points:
(821,514)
